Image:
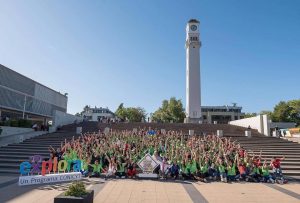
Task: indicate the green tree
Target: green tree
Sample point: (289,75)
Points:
(120,112)
(269,113)
(249,115)
(281,112)
(287,112)
(133,114)
(294,111)
(171,110)
(85,108)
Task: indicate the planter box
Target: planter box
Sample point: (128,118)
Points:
(88,198)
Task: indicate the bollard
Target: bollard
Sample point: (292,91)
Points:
(106,130)
(220,133)
(78,130)
(191,132)
(21,138)
(248,133)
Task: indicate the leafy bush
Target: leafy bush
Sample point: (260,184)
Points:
(77,189)
(4,123)
(14,123)
(23,123)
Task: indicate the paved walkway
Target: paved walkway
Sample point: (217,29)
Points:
(142,191)
(7,180)
(246,192)
(4,179)
(119,190)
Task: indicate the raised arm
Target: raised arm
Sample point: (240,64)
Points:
(236,159)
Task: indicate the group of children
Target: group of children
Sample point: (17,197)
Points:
(202,158)
(241,169)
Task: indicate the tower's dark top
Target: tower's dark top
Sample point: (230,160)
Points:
(193,21)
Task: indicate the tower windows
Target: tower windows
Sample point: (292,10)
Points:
(193,38)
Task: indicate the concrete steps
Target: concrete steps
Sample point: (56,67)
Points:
(9,171)
(295,173)
(12,155)
(272,147)
(15,156)
(276,152)
(7,160)
(29,147)
(23,149)
(32,144)
(30,153)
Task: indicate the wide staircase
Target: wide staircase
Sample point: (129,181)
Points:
(12,155)
(270,147)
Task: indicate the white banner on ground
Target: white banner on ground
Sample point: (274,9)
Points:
(50,178)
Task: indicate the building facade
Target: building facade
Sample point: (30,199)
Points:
(193,90)
(22,97)
(96,114)
(221,114)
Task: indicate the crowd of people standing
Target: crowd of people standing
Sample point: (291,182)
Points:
(202,158)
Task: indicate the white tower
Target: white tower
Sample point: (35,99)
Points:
(192,45)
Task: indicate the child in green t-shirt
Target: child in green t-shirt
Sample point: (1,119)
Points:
(231,169)
(85,167)
(185,170)
(254,173)
(266,177)
(120,169)
(222,172)
(97,169)
(202,173)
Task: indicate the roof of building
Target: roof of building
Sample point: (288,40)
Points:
(221,107)
(2,66)
(98,108)
(95,109)
(193,21)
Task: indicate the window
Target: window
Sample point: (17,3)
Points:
(193,38)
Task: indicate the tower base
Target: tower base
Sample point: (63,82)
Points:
(192,120)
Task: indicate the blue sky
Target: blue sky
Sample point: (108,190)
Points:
(106,52)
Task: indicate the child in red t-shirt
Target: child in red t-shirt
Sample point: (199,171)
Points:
(277,172)
(131,169)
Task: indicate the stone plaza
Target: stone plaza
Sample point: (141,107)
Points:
(120,190)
